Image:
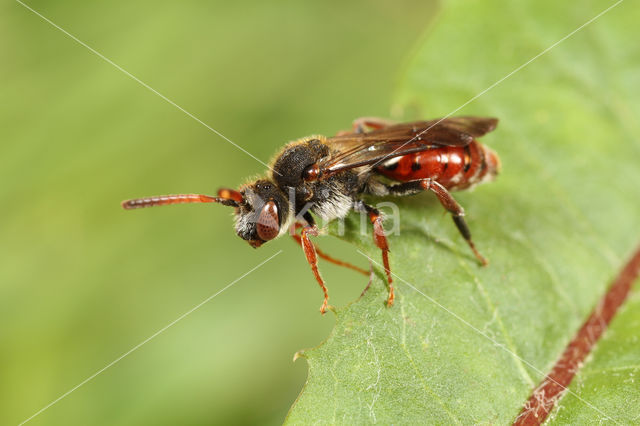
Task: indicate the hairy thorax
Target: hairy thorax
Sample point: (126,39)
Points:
(329,198)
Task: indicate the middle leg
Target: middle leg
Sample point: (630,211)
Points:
(380,238)
(298,239)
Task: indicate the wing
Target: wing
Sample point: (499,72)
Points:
(361,149)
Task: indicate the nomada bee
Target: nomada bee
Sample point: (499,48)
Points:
(327,177)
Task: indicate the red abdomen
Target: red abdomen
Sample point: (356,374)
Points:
(452,166)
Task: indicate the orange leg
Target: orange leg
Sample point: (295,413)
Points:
(447,201)
(374,123)
(370,279)
(381,241)
(457,213)
(310,253)
(360,125)
(325,256)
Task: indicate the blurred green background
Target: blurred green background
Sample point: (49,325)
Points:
(82,281)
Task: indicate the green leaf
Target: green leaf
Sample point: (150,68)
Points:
(610,380)
(468,344)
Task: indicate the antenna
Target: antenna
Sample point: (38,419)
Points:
(162,200)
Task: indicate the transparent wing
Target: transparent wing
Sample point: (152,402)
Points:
(361,149)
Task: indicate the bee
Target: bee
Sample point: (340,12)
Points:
(327,177)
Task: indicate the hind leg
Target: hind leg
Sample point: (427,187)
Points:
(362,124)
(447,201)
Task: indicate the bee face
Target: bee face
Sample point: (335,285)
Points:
(263,214)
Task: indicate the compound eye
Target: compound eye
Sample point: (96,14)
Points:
(268,225)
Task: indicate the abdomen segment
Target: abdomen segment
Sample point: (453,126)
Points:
(453,167)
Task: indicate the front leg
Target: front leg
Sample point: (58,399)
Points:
(298,239)
(310,253)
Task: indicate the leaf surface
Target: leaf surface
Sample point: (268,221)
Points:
(610,379)
(467,344)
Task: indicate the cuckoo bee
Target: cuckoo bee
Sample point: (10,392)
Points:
(327,177)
